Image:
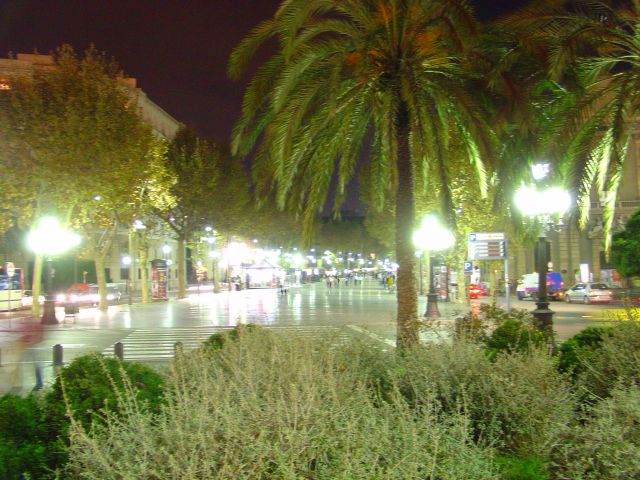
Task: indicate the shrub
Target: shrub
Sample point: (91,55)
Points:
(93,383)
(577,351)
(477,326)
(616,362)
(268,406)
(513,336)
(530,468)
(605,443)
(217,340)
(24,443)
(519,402)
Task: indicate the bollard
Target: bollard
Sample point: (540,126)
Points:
(178,348)
(39,382)
(57,355)
(118,350)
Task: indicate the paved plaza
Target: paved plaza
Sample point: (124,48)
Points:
(149,332)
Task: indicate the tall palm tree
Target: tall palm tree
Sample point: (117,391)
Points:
(381,79)
(593,49)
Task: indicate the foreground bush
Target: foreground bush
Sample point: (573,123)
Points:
(616,361)
(270,407)
(25,449)
(605,443)
(92,383)
(519,402)
(576,353)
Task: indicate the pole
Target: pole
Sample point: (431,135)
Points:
(542,313)
(432,297)
(49,310)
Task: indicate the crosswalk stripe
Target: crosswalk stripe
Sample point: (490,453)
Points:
(150,345)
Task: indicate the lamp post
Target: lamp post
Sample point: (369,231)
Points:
(432,237)
(126,261)
(547,206)
(50,239)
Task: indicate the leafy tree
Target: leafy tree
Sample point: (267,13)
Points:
(387,77)
(194,163)
(591,47)
(625,248)
(92,159)
(347,235)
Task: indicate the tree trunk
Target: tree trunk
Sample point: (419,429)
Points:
(215,276)
(98,260)
(182,268)
(407,319)
(36,285)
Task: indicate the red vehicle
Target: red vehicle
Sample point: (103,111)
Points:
(476,291)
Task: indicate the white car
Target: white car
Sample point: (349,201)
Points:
(589,292)
(82,293)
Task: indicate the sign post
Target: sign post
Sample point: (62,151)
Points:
(490,246)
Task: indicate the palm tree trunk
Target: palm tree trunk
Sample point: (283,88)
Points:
(182,270)
(407,319)
(101,278)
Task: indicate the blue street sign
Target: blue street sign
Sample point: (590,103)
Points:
(468,268)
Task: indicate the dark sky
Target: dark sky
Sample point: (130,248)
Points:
(177,50)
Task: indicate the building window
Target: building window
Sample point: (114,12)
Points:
(124,274)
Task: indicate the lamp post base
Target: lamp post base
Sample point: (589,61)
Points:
(432,306)
(49,313)
(544,321)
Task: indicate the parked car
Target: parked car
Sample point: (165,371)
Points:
(589,292)
(477,290)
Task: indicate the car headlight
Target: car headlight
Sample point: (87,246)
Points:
(61,297)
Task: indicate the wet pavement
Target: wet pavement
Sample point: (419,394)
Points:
(149,332)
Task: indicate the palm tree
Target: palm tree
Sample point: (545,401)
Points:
(593,49)
(378,79)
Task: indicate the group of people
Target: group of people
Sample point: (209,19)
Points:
(335,280)
(388,281)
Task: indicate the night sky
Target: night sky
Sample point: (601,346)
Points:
(177,50)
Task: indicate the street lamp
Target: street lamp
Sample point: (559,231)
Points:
(432,237)
(547,206)
(49,239)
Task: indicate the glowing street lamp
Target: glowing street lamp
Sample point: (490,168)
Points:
(547,206)
(432,237)
(50,239)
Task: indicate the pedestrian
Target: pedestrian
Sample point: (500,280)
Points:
(390,283)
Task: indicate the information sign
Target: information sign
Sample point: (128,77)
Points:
(468,268)
(486,246)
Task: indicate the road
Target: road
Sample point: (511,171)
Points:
(149,331)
